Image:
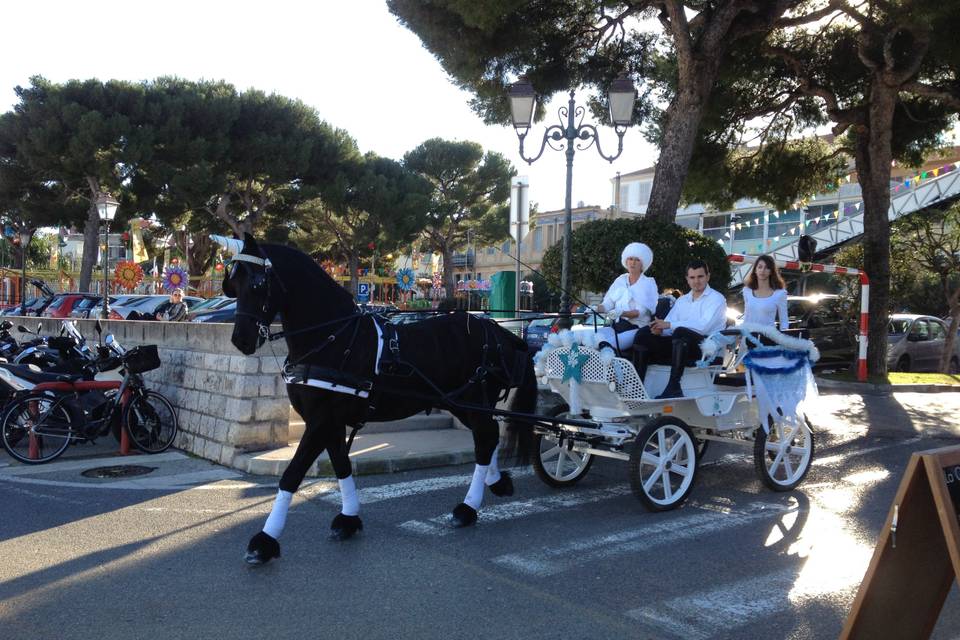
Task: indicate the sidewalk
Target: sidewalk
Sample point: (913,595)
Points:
(418,442)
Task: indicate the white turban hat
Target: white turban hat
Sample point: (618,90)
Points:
(637,250)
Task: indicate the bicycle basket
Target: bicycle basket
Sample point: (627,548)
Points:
(142,359)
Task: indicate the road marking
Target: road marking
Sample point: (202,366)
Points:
(440,525)
(558,558)
(820,462)
(700,616)
(396,490)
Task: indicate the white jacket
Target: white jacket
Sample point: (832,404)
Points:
(640,296)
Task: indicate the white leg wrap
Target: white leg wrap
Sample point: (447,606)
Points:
(475,494)
(278,516)
(348,497)
(493,471)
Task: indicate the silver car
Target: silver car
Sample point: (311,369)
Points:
(915,343)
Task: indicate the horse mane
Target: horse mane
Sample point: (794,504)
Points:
(303,278)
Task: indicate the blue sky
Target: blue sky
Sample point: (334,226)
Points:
(351,61)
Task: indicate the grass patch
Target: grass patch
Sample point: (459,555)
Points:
(899,377)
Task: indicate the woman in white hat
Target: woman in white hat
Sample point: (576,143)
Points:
(631,299)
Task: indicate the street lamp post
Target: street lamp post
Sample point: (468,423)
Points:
(106,208)
(621,96)
(25,236)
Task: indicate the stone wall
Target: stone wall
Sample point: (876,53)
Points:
(228,403)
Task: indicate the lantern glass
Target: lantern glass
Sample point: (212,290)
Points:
(523,101)
(106,207)
(621,96)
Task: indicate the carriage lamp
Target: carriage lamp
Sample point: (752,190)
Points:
(106,208)
(25,237)
(523,102)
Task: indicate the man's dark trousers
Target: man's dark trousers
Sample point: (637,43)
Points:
(678,350)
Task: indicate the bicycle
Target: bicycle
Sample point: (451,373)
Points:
(39,425)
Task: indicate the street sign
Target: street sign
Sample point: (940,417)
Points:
(363,292)
(519,207)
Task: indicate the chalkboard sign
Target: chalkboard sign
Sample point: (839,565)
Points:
(952,474)
(917,559)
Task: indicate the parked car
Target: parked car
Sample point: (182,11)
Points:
(91,307)
(537,332)
(210,304)
(63,304)
(146,306)
(916,343)
(821,318)
(35,305)
(224,313)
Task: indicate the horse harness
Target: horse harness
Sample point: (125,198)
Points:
(388,362)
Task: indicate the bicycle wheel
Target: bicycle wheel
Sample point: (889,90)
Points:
(36,429)
(151,422)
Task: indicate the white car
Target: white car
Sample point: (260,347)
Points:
(146,306)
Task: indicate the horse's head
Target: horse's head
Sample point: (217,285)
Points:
(250,281)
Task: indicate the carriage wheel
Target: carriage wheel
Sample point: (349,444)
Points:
(663,463)
(783,457)
(559,465)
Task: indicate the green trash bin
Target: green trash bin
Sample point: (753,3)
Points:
(503,293)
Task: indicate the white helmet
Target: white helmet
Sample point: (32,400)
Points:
(637,250)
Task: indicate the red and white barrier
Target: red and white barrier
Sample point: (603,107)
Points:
(795,265)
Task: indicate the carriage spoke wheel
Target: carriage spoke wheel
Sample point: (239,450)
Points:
(663,464)
(782,457)
(556,463)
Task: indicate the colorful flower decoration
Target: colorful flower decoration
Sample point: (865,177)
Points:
(406,279)
(437,280)
(128,274)
(174,278)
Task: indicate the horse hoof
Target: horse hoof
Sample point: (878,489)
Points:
(343,527)
(262,549)
(502,487)
(464,515)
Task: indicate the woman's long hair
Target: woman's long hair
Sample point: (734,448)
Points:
(776,280)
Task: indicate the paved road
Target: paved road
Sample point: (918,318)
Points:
(160,556)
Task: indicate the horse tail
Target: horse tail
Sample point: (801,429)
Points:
(519,432)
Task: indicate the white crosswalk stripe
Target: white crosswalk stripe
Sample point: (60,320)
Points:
(396,490)
(563,557)
(440,525)
(702,615)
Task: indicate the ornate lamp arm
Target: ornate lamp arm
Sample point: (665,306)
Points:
(589,133)
(553,132)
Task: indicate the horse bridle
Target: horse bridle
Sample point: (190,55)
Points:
(259,279)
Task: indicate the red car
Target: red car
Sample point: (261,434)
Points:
(63,303)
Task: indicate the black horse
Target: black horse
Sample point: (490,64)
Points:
(346,367)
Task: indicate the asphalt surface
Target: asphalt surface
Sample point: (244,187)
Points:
(160,555)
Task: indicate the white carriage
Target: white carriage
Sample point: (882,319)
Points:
(611,413)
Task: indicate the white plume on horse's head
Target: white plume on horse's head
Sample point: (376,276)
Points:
(232,245)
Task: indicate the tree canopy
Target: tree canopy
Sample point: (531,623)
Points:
(470,193)
(596,247)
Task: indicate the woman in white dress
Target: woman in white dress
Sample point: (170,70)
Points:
(631,299)
(765,295)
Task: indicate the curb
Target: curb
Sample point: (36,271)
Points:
(265,465)
(884,389)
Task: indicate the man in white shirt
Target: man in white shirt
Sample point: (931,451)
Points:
(676,339)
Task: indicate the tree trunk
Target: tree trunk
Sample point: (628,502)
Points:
(91,244)
(353,262)
(679,133)
(954,324)
(200,255)
(873,159)
(448,285)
